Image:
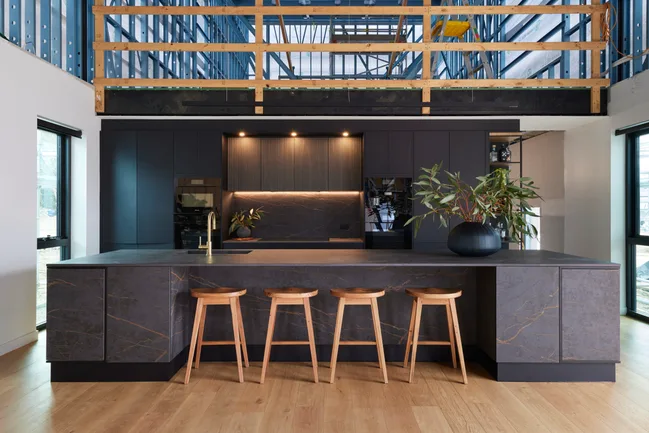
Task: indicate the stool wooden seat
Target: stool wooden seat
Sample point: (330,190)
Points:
(289,296)
(358,296)
(434,296)
(217,296)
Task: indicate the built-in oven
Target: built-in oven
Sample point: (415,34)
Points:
(388,206)
(194,199)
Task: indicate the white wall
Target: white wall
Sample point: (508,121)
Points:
(32,88)
(543,162)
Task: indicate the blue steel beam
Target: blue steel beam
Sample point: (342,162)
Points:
(73,26)
(2,17)
(275,57)
(57,33)
(15,22)
(638,25)
(30,26)
(46,30)
(565,37)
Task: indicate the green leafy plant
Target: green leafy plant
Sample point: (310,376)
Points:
(495,197)
(245,218)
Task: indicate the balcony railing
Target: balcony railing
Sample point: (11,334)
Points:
(425,82)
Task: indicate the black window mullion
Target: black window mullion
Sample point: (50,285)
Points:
(634,238)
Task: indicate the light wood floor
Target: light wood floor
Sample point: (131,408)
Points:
(357,402)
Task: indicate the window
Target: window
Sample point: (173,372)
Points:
(638,224)
(53,206)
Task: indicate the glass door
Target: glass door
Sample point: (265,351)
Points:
(53,210)
(638,224)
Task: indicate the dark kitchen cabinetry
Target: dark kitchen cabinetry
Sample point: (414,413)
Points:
(277,164)
(344,164)
(197,154)
(118,186)
(468,155)
(311,164)
(388,154)
(137,183)
(155,187)
(429,148)
(244,164)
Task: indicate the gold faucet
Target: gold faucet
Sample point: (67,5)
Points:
(211,225)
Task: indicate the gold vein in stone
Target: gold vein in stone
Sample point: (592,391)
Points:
(136,325)
(59,281)
(530,322)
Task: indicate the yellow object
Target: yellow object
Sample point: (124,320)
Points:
(454,29)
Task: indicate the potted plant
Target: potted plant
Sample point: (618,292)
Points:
(241,222)
(495,196)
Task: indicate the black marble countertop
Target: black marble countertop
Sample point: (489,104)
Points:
(289,241)
(341,257)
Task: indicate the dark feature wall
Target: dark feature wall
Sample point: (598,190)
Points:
(304,215)
(135,164)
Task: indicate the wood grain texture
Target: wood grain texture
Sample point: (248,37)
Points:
(277,163)
(345,164)
(311,170)
(290,402)
(244,164)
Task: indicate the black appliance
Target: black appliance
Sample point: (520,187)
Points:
(194,199)
(388,206)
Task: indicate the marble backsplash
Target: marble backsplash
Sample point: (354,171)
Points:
(305,215)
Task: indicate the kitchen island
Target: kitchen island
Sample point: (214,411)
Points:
(524,315)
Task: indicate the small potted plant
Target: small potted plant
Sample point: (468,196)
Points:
(243,221)
(495,196)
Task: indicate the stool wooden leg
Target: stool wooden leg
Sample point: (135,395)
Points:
(309,328)
(410,329)
(458,339)
(451,334)
(199,343)
(192,345)
(243,335)
(379,339)
(237,341)
(269,338)
(415,340)
(338,330)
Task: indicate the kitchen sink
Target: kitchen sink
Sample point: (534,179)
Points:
(219,252)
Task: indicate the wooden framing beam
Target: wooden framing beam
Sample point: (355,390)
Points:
(595,60)
(352,84)
(99,61)
(350,47)
(259,56)
(425,68)
(349,10)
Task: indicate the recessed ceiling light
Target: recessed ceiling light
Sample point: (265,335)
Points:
(293,134)
(242,134)
(345,134)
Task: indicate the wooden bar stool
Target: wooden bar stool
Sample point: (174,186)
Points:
(290,296)
(358,296)
(433,296)
(217,296)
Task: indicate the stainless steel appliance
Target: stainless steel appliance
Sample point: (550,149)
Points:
(194,199)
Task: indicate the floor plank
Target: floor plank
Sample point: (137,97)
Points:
(357,402)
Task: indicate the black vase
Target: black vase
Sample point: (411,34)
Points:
(473,240)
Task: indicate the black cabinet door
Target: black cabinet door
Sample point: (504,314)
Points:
(155,187)
(400,153)
(430,148)
(344,164)
(468,156)
(277,164)
(244,164)
(376,159)
(311,164)
(197,154)
(118,185)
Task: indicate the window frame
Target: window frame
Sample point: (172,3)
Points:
(633,236)
(64,185)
